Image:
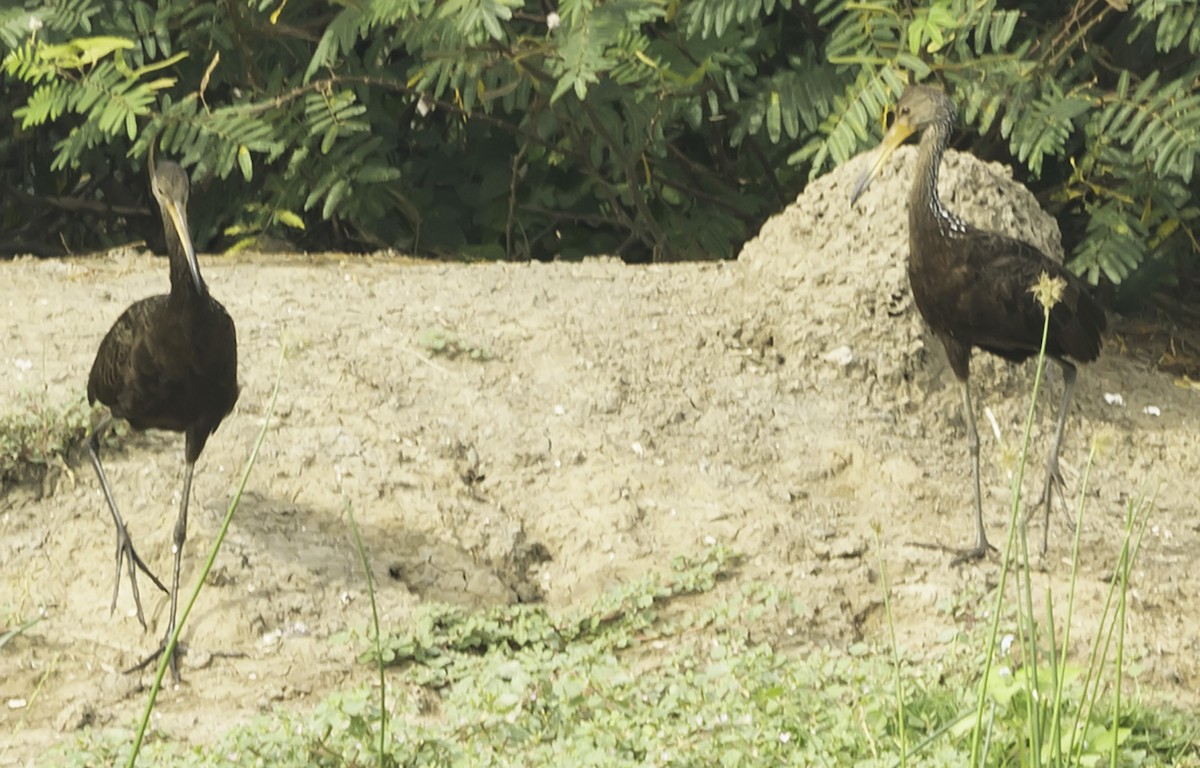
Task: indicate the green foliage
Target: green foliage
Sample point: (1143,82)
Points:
(648,128)
(443,342)
(1098,105)
(1030,682)
(683,669)
(36,434)
(655,129)
(16,631)
(445,640)
(88,77)
(1143,150)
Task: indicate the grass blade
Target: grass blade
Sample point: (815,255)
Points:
(208,564)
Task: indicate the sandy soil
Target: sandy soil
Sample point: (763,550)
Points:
(596,420)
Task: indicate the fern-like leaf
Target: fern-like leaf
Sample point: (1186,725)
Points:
(1114,245)
(850,125)
(712,18)
(1042,128)
(1159,123)
(1175,22)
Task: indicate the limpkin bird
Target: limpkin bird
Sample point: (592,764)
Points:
(168,362)
(973,287)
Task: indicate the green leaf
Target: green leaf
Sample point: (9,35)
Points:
(245,163)
(774,122)
(290,219)
(336,193)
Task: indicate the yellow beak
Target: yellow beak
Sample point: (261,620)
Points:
(179,220)
(895,136)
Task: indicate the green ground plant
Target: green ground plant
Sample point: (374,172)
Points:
(36,434)
(691,667)
(1051,699)
(654,129)
(8,635)
(164,657)
(442,342)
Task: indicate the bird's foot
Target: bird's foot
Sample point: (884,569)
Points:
(127,554)
(1054,487)
(978,552)
(173,662)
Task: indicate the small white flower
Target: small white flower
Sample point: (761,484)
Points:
(34,23)
(552,21)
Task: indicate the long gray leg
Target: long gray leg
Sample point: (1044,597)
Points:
(125,548)
(180,537)
(1054,479)
(981,547)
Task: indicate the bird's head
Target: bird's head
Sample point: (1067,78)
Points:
(169,183)
(919,107)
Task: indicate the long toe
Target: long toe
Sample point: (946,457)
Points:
(117,585)
(1055,486)
(127,554)
(978,552)
(137,560)
(173,662)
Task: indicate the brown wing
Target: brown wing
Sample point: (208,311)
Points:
(124,366)
(163,367)
(214,363)
(983,299)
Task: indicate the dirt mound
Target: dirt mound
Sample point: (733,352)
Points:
(830,279)
(824,288)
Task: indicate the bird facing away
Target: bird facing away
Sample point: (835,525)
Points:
(168,362)
(972,287)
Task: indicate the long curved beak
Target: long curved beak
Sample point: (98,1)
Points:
(894,137)
(179,220)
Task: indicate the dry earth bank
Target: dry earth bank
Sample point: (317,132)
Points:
(519,432)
